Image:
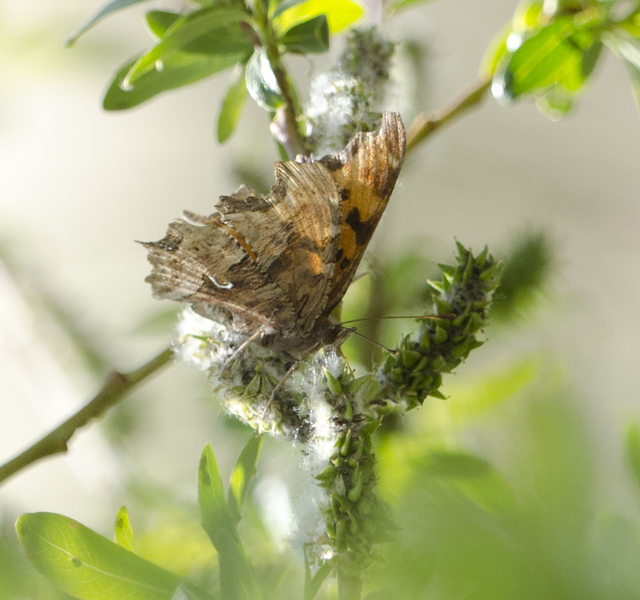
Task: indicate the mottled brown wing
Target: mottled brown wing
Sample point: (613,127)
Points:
(202,262)
(294,233)
(367,169)
(267,259)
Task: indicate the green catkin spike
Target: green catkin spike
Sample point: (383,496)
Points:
(344,449)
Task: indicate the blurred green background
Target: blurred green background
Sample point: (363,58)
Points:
(518,486)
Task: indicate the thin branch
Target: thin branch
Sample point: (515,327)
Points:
(428,122)
(288,128)
(117,386)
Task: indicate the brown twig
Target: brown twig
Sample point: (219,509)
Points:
(428,122)
(117,386)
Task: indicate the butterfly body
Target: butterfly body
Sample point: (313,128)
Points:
(279,264)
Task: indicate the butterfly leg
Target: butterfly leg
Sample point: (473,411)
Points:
(278,387)
(241,347)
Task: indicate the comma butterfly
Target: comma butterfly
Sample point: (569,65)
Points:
(276,266)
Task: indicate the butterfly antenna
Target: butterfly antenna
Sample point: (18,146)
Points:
(416,317)
(239,349)
(364,337)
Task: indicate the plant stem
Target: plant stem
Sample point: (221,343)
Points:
(428,122)
(289,134)
(117,386)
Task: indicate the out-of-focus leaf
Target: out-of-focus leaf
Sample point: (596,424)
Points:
(456,464)
(395,6)
(123,531)
(243,472)
(312,583)
(629,50)
(87,565)
(496,51)
(285,5)
(104,12)
(160,20)
(237,580)
(544,59)
(527,267)
(185,30)
(179,70)
(261,82)
(555,103)
(232,105)
(160,322)
(340,14)
(632,443)
(187,591)
(471,400)
(309,37)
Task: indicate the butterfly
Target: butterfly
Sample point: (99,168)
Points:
(276,266)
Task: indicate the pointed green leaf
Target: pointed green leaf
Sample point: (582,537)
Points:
(232,105)
(312,583)
(87,565)
(160,20)
(340,14)
(104,12)
(185,30)
(123,530)
(179,70)
(309,37)
(237,580)
(405,3)
(628,49)
(285,5)
(243,472)
(543,60)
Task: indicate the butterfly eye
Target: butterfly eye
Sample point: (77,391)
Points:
(223,284)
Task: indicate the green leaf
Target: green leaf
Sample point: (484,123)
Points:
(123,531)
(188,591)
(312,583)
(243,471)
(543,60)
(87,565)
(628,49)
(310,37)
(395,6)
(104,12)
(237,580)
(179,70)
(181,33)
(160,20)
(232,105)
(261,81)
(632,443)
(285,5)
(340,14)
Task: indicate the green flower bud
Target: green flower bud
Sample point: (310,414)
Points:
(440,335)
(332,383)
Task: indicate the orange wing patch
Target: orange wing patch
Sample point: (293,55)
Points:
(366,171)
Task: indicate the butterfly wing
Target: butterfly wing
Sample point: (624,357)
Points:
(265,259)
(366,171)
(203,262)
(294,232)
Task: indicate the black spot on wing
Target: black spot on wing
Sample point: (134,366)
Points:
(169,243)
(344,194)
(339,254)
(363,229)
(345,263)
(333,163)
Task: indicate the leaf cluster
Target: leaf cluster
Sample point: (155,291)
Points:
(550,50)
(217,36)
